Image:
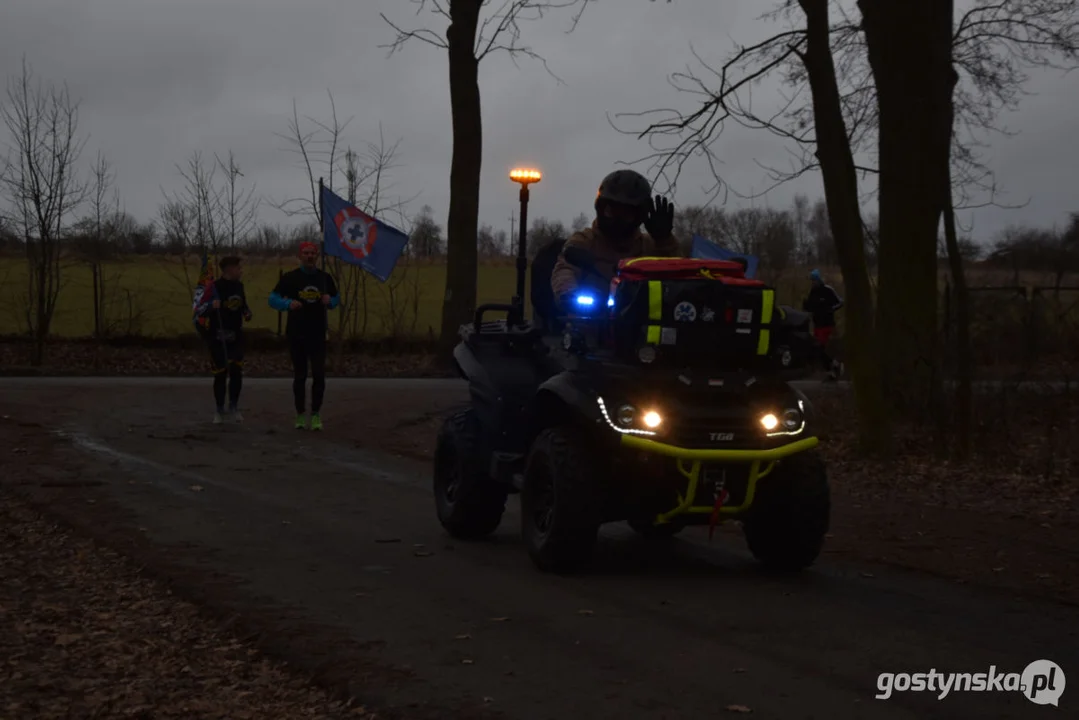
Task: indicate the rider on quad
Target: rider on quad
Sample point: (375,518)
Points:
(624,202)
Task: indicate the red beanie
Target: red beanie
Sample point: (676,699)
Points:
(306,244)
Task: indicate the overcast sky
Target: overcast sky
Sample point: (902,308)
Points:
(159,79)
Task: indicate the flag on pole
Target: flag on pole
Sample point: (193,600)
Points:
(204,295)
(358,238)
(703,248)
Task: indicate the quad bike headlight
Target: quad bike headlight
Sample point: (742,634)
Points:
(790,419)
(790,422)
(628,420)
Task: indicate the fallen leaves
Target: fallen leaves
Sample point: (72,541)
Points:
(738,709)
(96,639)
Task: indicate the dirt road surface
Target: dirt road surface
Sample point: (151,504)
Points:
(325,548)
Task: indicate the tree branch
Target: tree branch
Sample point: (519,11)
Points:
(499,31)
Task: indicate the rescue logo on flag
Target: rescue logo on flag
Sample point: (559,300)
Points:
(356,231)
(357,238)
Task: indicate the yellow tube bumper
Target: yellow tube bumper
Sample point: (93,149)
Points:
(689,465)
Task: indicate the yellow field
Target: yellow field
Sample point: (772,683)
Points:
(152,296)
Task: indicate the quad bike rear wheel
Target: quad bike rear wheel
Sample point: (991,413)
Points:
(468,501)
(789,518)
(560,513)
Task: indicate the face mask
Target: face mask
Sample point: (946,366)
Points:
(618,231)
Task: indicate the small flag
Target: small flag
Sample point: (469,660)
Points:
(204,295)
(705,249)
(357,238)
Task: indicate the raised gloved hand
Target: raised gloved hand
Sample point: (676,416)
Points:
(660,220)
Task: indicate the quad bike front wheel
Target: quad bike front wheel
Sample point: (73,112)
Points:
(787,523)
(560,513)
(468,501)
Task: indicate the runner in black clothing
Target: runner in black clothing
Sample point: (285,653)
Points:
(224,337)
(306,294)
(823,302)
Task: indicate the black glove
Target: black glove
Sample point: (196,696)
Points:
(660,219)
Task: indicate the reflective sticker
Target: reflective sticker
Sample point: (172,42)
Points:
(745,315)
(708,314)
(685,312)
(668,336)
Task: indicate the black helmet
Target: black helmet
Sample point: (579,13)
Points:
(625,187)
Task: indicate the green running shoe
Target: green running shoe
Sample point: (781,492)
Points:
(301,422)
(316,422)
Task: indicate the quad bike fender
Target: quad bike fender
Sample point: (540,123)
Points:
(481,386)
(560,400)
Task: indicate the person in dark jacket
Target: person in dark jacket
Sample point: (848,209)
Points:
(822,303)
(306,294)
(227,313)
(623,204)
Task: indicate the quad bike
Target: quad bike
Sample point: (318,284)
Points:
(657,400)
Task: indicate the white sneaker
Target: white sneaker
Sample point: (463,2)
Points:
(237,416)
(218,418)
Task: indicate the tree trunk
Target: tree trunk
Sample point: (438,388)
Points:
(462,223)
(909,47)
(841,195)
(964,362)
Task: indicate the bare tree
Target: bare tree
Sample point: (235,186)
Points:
(43,188)
(487,243)
(317,148)
(828,63)
(542,233)
(194,219)
(470,36)
(104,230)
(239,206)
(425,239)
(777,243)
(367,178)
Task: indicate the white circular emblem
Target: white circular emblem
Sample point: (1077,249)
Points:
(354,234)
(685,312)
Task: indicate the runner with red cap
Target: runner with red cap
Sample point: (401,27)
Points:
(306,294)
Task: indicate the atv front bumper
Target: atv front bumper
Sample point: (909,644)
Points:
(689,463)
